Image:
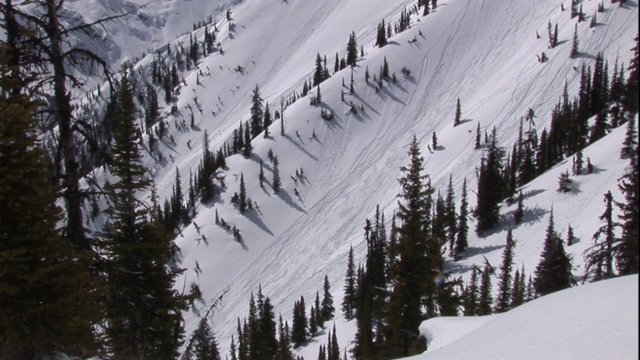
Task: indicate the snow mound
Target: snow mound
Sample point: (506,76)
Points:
(595,321)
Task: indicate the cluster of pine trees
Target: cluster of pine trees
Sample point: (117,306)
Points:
(611,102)
(108,293)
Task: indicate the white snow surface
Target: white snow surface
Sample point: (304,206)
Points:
(595,321)
(481,51)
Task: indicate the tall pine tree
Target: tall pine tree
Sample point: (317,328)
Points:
(144,311)
(47,296)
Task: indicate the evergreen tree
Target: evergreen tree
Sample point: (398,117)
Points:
(518,289)
(267,121)
(275,183)
(318,312)
(462,227)
(268,343)
(349,298)
(504,282)
(627,258)
(599,257)
(564,182)
(299,327)
(485,299)
(242,204)
(381,38)
(458,119)
(553,272)
(327,309)
(177,201)
(203,345)
(419,258)
(243,346)
(425,11)
(630,141)
(490,188)
(334,352)
(257,113)
(247,149)
(352,50)
(470,302)
(519,213)
(284,352)
(47,296)
(144,311)
(633,81)
(574,43)
(385,69)
(313,325)
(318,74)
(232,349)
(450,216)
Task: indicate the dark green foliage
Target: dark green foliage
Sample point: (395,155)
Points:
(518,214)
(47,296)
(144,311)
(352,50)
(349,298)
(385,69)
(425,11)
(203,345)
(553,272)
(630,141)
(151,109)
(564,182)
(333,348)
(257,114)
(633,81)
(457,119)
(242,198)
(381,38)
(284,342)
(491,188)
(599,257)
(627,250)
(419,260)
(267,344)
(267,120)
(247,148)
(327,309)
(275,183)
(485,299)
(518,288)
(471,294)
(462,227)
(405,20)
(504,281)
(299,326)
(319,75)
(450,218)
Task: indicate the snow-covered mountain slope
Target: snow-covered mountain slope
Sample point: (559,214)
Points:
(595,321)
(481,51)
(149,25)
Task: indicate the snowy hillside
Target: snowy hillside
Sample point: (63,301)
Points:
(483,52)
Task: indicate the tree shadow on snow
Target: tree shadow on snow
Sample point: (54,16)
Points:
(290,201)
(532,215)
(474,251)
(300,147)
(255,218)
